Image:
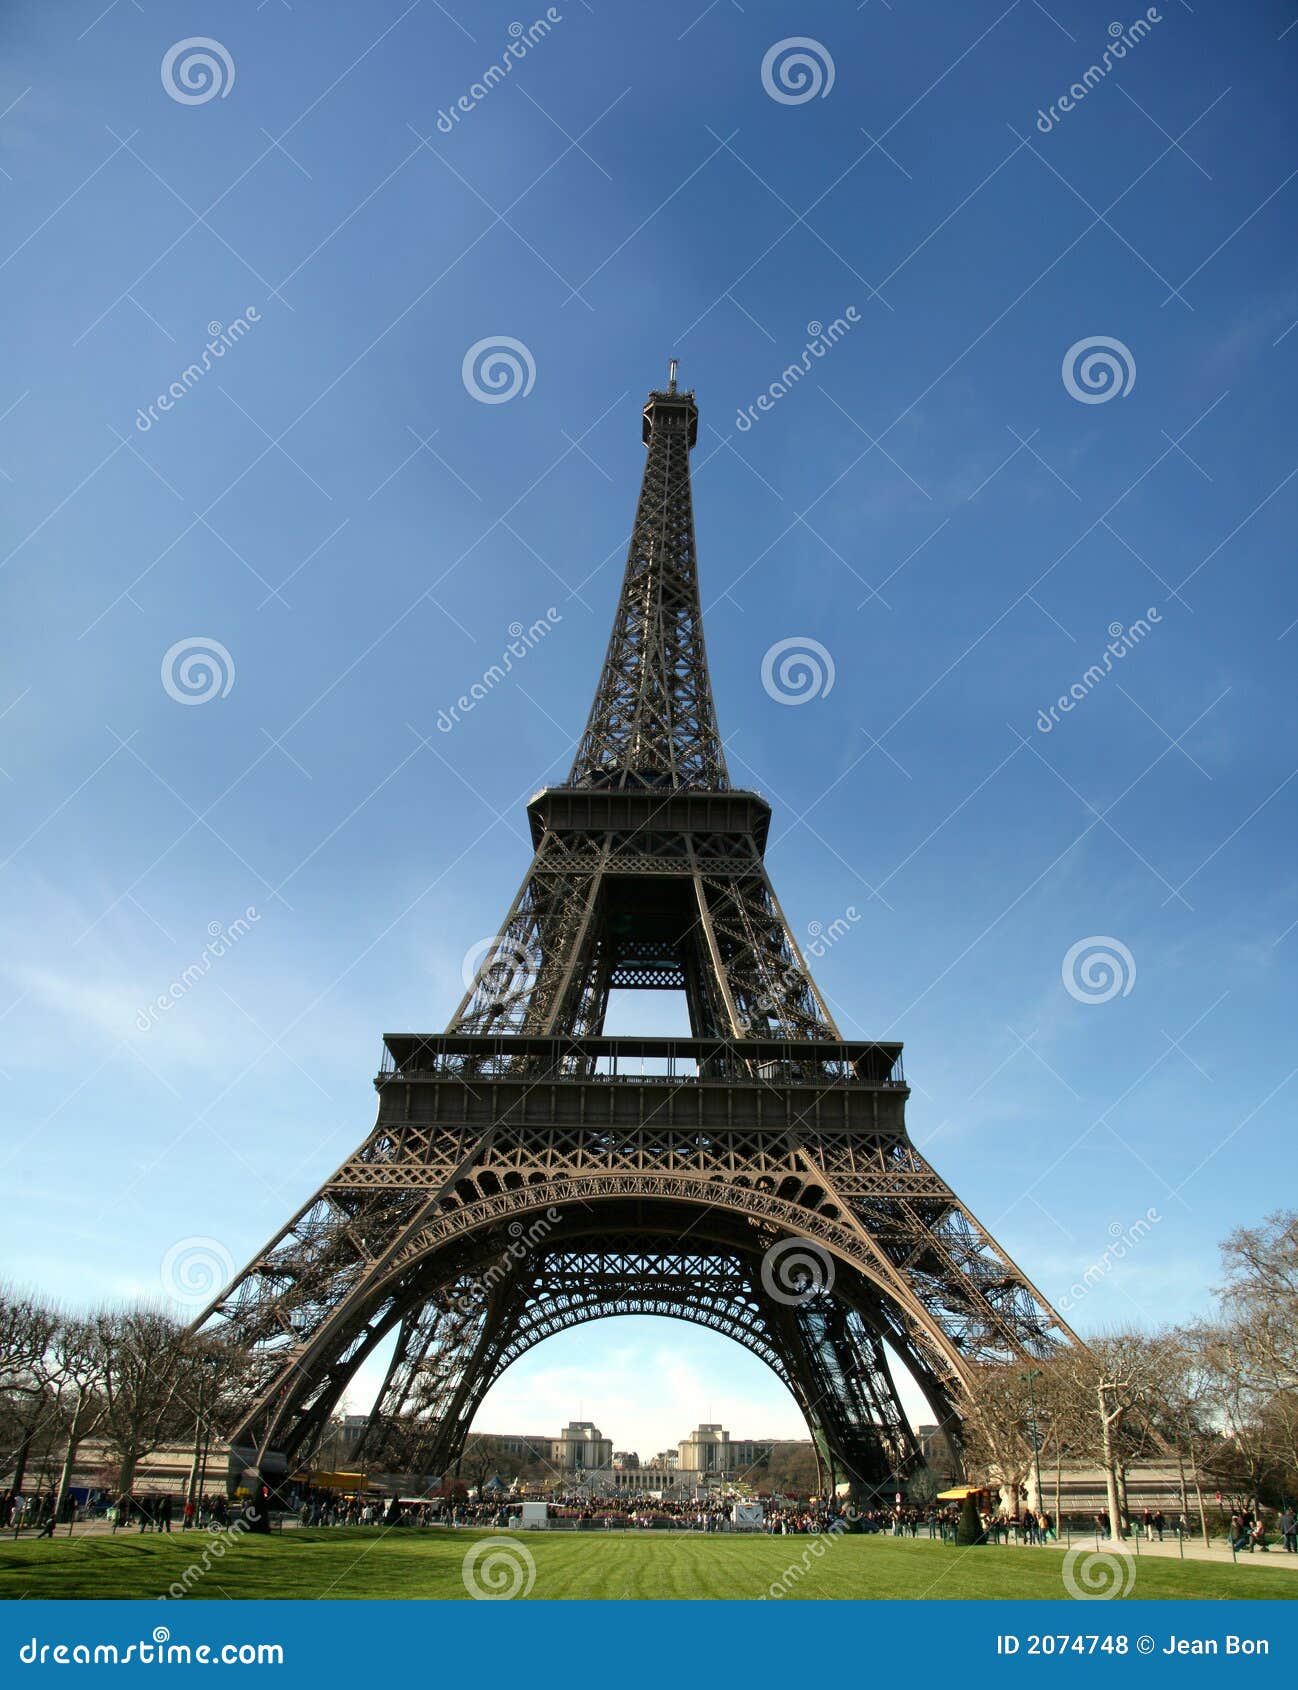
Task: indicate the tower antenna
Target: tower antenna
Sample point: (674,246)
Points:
(671,375)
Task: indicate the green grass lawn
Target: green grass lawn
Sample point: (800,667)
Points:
(422,1564)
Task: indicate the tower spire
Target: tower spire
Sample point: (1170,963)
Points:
(653,723)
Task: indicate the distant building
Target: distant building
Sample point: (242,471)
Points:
(581,1448)
(533,1446)
(711,1449)
(625,1461)
(936,1450)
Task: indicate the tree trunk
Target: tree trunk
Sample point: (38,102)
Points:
(24,1452)
(126,1481)
(1198,1491)
(1122,1497)
(1110,1474)
(79,1428)
(1059,1485)
(65,1475)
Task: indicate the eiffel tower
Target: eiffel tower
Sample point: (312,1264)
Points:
(528,1173)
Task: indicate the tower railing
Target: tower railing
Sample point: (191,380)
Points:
(642,1061)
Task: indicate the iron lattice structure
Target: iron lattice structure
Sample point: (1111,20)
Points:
(527,1173)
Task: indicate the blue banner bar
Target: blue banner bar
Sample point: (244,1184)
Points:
(678,1643)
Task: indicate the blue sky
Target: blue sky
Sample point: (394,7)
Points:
(931,504)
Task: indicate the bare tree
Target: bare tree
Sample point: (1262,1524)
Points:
(147,1366)
(1003,1413)
(1261,1298)
(1116,1376)
(73,1373)
(27,1326)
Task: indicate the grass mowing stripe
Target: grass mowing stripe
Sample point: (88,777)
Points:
(352,1563)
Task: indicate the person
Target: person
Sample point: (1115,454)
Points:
(187,1518)
(162,1513)
(1238,1533)
(1257,1537)
(1159,1523)
(1289,1530)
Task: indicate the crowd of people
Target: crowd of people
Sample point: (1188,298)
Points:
(1250,1530)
